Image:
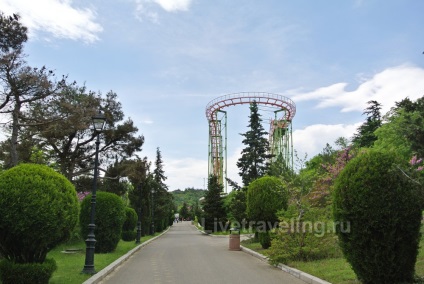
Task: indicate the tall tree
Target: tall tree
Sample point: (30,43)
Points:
(413,124)
(184,211)
(214,211)
(21,84)
(163,200)
(137,173)
(158,172)
(68,135)
(365,135)
(253,160)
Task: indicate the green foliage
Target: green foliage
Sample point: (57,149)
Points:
(109,219)
(130,219)
(237,205)
(265,196)
(382,207)
(265,239)
(184,211)
(14,34)
(253,160)
(305,234)
(189,196)
(391,136)
(214,212)
(112,182)
(129,236)
(365,136)
(128,233)
(139,196)
(38,209)
(24,273)
(413,126)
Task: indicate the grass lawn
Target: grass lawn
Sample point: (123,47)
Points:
(69,266)
(335,270)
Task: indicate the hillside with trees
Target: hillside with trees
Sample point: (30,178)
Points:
(190,196)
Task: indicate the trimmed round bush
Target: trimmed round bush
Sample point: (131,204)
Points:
(265,196)
(38,209)
(109,218)
(130,219)
(24,273)
(128,233)
(378,216)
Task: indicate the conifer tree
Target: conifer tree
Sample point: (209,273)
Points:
(253,162)
(365,136)
(159,173)
(214,211)
(162,201)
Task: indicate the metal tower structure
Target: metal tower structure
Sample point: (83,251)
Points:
(280,134)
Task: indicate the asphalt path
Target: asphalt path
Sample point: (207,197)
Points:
(185,255)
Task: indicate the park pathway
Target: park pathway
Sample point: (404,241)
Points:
(186,256)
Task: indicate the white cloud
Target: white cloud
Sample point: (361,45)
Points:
(145,10)
(56,17)
(312,139)
(387,87)
(147,121)
(174,5)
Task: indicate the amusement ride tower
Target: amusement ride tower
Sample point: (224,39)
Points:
(280,133)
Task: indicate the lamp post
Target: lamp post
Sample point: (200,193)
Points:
(98,122)
(137,240)
(153,213)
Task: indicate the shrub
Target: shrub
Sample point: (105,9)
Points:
(24,273)
(265,196)
(129,236)
(130,219)
(109,218)
(38,209)
(265,239)
(305,234)
(381,204)
(130,222)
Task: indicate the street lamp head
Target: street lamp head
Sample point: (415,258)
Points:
(99,121)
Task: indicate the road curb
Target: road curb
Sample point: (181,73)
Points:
(99,276)
(310,279)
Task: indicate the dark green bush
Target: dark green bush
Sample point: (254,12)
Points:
(378,216)
(128,233)
(130,219)
(25,273)
(109,218)
(265,196)
(129,236)
(265,240)
(38,209)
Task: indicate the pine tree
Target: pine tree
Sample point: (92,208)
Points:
(253,162)
(214,211)
(365,136)
(162,200)
(159,173)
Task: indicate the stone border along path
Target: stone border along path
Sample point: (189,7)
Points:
(99,276)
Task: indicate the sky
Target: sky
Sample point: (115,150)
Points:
(167,59)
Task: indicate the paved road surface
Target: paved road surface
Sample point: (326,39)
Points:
(184,255)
